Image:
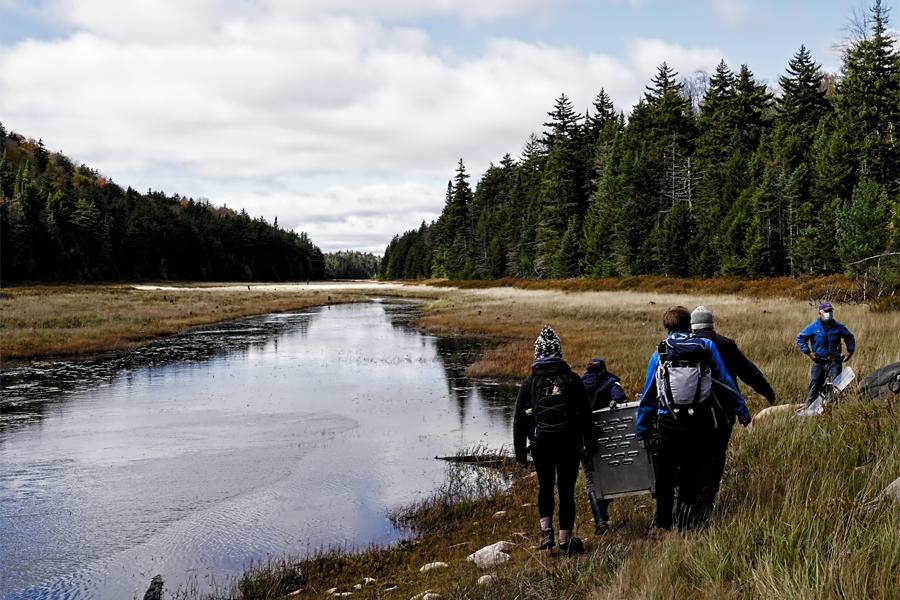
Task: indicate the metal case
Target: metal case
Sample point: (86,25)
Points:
(621,467)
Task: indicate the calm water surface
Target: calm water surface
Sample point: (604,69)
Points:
(198,454)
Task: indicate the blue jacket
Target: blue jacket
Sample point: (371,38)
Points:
(602,388)
(825,339)
(728,395)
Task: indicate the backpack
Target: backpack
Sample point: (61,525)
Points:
(549,407)
(683,378)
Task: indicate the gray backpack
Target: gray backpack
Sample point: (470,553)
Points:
(683,378)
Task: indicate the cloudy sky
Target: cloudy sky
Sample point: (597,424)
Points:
(346,118)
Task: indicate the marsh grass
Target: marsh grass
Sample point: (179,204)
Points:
(54,321)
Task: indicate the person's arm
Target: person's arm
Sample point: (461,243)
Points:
(849,340)
(803,339)
(617,394)
(752,376)
(520,422)
(729,390)
(649,402)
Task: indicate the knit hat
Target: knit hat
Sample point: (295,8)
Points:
(701,318)
(547,344)
(595,365)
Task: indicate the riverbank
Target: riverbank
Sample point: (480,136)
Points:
(40,322)
(788,524)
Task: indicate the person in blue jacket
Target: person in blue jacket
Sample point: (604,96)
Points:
(821,341)
(603,388)
(683,434)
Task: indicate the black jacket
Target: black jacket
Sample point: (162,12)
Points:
(602,388)
(580,428)
(738,365)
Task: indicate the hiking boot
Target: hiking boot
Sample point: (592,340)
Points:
(573,546)
(602,528)
(546,539)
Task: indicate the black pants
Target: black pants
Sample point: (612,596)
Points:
(551,460)
(682,452)
(711,478)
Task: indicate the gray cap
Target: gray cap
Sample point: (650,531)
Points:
(701,318)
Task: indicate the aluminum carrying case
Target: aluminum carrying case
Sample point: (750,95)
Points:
(621,467)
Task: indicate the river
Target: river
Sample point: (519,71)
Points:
(198,454)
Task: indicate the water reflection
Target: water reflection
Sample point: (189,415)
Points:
(197,454)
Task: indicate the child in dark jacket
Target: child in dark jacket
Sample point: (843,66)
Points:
(553,413)
(603,388)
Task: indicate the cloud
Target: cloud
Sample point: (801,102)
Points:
(738,14)
(235,92)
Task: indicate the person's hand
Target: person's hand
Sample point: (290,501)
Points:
(813,355)
(845,357)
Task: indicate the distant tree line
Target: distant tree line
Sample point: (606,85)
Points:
(62,222)
(709,176)
(350,264)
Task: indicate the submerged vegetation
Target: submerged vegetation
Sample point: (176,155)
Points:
(708,176)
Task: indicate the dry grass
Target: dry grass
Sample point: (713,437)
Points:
(54,321)
(624,327)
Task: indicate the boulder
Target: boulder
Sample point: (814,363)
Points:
(434,565)
(490,556)
(881,383)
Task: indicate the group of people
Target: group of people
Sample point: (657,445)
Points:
(690,403)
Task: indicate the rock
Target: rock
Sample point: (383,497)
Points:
(772,412)
(434,565)
(487,579)
(358,586)
(891,492)
(881,383)
(499,514)
(431,596)
(155,591)
(489,556)
(391,588)
(527,504)
(369,580)
(421,596)
(331,592)
(294,593)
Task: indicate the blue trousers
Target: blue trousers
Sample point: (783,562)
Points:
(817,377)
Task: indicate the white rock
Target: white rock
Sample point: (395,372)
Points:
(331,592)
(891,492)
(344,594)
(431,596)
(489,556)
(358,586)
(421,596)
(369,580)
(392,588)
(487,579)
(434,565)
(499,514)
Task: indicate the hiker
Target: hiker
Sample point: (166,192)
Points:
(821,341)
(677,391)
(603,388)
(552,412)
(738,367)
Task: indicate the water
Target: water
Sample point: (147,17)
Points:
(198,454)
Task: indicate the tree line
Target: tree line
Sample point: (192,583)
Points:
(62,222)
(350,264)
(706,177)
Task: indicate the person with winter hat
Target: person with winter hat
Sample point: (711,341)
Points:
(738,367)
(603,389)
(553,414)
(821,341)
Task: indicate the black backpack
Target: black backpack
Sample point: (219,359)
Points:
(550,409)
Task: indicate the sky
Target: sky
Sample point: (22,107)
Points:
(346,118)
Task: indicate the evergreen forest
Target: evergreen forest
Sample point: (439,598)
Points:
(708,176)
(350,264)
(62,222)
